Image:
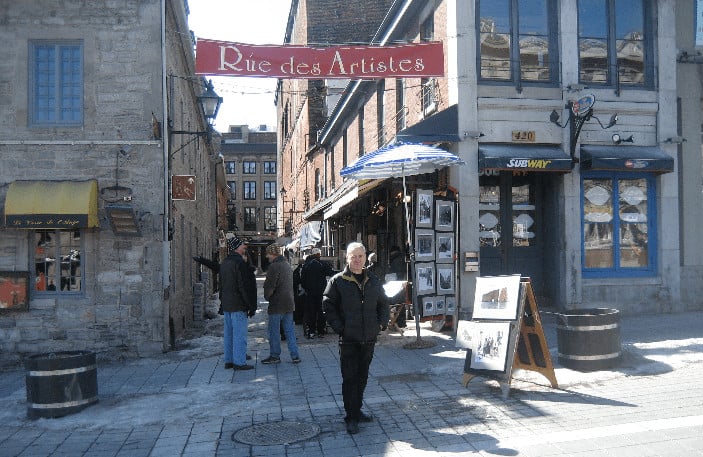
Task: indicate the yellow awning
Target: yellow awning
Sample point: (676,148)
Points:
(52,204)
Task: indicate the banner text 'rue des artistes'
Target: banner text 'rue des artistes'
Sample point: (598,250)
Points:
(412,60)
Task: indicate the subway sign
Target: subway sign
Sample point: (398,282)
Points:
(523,158)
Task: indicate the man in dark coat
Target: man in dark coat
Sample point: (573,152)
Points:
(313,277)
(356,309)
(278,290)
(238,301)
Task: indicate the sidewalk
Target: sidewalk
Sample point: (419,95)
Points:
(185,402)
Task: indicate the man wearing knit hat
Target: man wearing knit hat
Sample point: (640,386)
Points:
(278,290)
(238,301)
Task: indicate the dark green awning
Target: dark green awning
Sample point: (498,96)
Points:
(626,158)
(510,157)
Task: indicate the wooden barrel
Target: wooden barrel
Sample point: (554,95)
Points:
(60,383)
(589,339)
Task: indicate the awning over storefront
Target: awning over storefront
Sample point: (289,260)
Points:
(442,127)
(354,190)
(523,158)
(52,204)
(626,158)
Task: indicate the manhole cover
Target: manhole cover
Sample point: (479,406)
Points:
(270,434)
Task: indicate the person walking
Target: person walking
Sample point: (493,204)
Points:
(278,290)
(238,301)
(356,309)
(314,279)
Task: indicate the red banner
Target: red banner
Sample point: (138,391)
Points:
(412,60)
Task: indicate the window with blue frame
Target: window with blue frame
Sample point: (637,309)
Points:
(56,84)
(615,43)
(518,41)
(619,224)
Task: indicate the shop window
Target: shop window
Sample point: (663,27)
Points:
(614,43)
(56,84)
(58,261)
(619,225)
(518,41)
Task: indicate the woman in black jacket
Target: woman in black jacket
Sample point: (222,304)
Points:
(356,309)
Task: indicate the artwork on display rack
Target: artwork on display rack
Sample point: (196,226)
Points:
(444,215)
(445,247)
(440,305)
(449,304)
(424,209)
(428,306)
(497,297)
(14,290)
(488,342)
(424,245)
(424,278)
(445,279)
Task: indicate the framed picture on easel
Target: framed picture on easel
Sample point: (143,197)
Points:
(444,215)
(487,342)
(497,297)
(444,247)
(424,245)
(424,209)
(425,278)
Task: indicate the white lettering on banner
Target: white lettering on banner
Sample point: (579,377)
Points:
(528,163)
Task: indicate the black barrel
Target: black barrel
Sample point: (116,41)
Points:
(60,383)
(589,339)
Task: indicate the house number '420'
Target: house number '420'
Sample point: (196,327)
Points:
(527,136)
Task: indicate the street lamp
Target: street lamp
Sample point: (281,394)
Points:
(210,104)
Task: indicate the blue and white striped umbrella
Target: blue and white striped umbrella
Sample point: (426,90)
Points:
(400,160)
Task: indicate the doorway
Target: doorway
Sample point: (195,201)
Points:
(518,221)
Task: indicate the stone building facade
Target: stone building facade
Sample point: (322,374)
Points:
(107,177)
(251,168)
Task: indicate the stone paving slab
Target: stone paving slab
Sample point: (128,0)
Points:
(651,405)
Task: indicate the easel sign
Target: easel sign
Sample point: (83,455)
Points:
(507,336)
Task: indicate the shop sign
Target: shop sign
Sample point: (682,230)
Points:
(411,60)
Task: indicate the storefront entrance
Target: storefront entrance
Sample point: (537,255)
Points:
(518,228)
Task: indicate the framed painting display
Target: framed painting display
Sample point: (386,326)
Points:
(449,304)
(445,279)
(444,247)
(424,209)
(424,278)
(489,343)
(497,297)
(440,308)
(14,290)
(428,306)
(444,215)
(424,245)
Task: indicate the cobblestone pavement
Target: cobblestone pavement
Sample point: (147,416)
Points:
(185,403)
